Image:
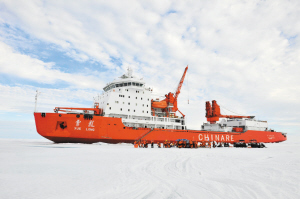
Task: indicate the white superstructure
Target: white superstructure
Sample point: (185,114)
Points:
(128,98)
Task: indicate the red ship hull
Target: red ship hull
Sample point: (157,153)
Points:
(74,128)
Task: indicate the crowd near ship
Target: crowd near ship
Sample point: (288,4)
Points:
(127,112)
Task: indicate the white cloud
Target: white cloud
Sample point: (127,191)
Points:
(23,66)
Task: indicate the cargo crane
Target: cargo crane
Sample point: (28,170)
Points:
(213,113)
(169,104)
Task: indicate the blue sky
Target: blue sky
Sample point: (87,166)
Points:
(244,54)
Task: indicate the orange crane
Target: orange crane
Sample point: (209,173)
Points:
(96,109)
(213,113)
(169,104)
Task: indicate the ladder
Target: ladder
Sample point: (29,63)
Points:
(139,139)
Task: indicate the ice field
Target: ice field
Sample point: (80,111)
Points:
(41,169)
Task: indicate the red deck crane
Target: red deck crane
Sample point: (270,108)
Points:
(213,113)
(170,102)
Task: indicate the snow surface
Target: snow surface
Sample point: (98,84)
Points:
(41,169)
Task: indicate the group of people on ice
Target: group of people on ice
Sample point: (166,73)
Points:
(180,143)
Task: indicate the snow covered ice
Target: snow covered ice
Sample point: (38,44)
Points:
(41,169)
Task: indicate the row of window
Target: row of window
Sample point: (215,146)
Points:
(117,102)
(129,97)
(107,88)
(128,110)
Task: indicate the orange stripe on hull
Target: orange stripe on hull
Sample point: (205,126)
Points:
(62,128)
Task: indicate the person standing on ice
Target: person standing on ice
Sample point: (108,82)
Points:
(158,144)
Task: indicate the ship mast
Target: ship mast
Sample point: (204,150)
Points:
(36,97)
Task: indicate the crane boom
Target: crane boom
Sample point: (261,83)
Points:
(180,84)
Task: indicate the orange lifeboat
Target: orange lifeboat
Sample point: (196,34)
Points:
(161,104)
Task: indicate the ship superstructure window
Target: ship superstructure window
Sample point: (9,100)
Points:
(109,108)
(120,109)
(128,110)
(111,86)
(128,103)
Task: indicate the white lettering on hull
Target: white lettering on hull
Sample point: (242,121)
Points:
(216,137)
(270,137)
